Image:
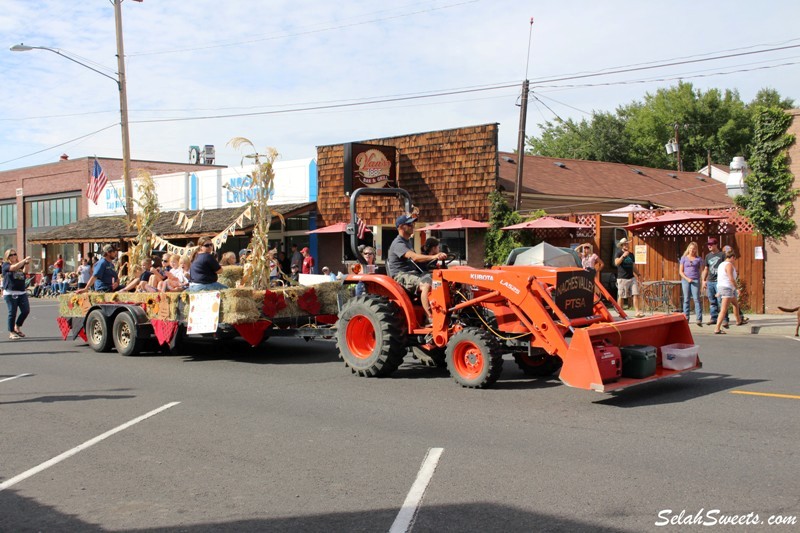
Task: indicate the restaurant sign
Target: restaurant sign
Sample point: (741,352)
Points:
(369,165)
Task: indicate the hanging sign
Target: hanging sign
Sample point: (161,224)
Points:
(369,165)
(640,254)
(203,312)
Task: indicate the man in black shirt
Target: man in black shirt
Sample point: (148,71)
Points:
(627,275)
(713,260)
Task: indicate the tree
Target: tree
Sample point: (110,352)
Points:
(713,121)
(499,243)
(768,202)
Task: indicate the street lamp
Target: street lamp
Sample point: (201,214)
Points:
(123,100)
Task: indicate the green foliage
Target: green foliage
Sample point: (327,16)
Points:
(713,121)
(769,197)
(499,243)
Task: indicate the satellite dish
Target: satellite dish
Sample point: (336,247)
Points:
(194,155)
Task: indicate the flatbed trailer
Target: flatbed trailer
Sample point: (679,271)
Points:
(134,323)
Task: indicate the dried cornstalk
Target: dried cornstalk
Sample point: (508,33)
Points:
(260,187)
(146,215)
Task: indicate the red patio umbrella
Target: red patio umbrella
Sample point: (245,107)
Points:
(339,227)
(675,217)
(455,223)
(547,223)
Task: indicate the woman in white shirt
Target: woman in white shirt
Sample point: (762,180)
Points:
(726,290)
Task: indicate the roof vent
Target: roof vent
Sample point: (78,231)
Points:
(673,176)
(637,171)
(559,164)
(701,177)
(508,160)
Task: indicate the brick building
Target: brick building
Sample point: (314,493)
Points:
(41,198)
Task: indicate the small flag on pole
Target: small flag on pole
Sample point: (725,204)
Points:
(96,182)
(361,227)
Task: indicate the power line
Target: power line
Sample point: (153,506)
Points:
(60,144)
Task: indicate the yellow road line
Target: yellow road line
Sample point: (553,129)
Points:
(771,395)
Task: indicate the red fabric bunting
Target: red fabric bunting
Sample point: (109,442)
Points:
(309,303)
(253,332)
(273,302)
(64,326)
(164,329)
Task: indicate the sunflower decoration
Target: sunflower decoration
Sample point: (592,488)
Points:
(151,305)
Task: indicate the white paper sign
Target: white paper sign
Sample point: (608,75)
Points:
(203,312)
(759,252)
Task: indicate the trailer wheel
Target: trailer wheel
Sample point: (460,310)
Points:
(474,358)
(126,336)
(540,365)
(98,334)
(370,336)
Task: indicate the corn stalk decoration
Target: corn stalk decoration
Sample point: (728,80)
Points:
(259,187)
(146,215)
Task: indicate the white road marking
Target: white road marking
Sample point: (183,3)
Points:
(15,377)
(408,512)
(69,453)
(793,338)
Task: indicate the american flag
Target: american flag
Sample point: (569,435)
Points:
(96,182)
(361,227)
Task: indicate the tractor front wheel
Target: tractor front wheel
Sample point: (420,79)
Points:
(370,336)
(474,358)
(539,364)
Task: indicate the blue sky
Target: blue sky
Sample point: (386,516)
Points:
(270,61)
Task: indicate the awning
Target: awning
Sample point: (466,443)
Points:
(454,224)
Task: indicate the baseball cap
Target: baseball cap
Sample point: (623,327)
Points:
(727,249)
(108,248)
(304,250)
(623,240)
(325,268)
(405,218)
(712,240)
(244,251)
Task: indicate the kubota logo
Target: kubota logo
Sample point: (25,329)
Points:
(481,277)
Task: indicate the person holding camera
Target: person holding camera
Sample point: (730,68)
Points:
(627,275)
(14,292)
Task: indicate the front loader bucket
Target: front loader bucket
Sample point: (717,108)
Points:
(582,366)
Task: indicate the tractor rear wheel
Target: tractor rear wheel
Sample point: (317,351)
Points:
(540,365)
(370,336)
(474,358)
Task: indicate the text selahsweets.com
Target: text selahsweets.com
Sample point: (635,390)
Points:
(715,517)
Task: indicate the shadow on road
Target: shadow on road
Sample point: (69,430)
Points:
(21,514)
(678,389)
(72,398)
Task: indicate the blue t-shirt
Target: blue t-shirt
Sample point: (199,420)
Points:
(104,276)
(13,280)
(204,269)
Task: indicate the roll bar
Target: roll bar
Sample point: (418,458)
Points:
(351,226)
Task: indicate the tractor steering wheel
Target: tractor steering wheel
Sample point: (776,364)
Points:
(435,263)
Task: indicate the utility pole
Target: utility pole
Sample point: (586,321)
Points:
(123,111)
(678,151)
(523,115)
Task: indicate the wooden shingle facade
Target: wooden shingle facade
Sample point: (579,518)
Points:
(448,173)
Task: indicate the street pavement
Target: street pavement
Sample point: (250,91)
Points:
(285,438)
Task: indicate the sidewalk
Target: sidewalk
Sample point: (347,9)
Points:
(782,324)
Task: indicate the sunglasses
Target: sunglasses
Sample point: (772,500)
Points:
(365,253)
(15,253)
(208,245)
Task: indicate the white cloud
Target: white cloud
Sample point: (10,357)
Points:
(282,55)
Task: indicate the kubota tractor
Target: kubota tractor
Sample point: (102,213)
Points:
(551,319)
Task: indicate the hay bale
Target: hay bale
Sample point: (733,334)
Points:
(238,305)
(231,275)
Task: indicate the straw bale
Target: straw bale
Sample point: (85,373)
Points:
(231,275)
(238,305)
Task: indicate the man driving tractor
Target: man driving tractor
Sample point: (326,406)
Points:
(402,262)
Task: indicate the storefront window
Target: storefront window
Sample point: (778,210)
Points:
(51,212)
(8,217)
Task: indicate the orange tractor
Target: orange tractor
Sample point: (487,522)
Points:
(551,319)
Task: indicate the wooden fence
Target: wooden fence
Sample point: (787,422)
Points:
(666,244)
